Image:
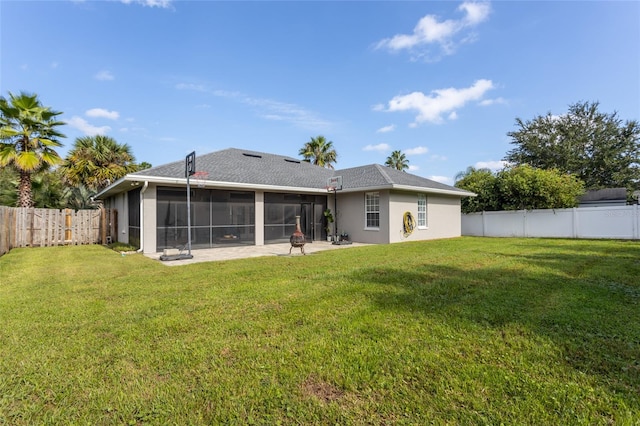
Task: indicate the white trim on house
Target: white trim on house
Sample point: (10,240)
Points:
(117,186)
(458,193)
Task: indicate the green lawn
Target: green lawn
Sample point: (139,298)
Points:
(461,331)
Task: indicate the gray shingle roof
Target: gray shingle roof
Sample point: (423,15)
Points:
(606,194)
(249,167)
(375,175)
(244,167)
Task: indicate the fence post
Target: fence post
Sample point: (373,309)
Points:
(103,224)
(636,222)
(68,233)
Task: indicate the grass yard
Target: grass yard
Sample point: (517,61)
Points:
(460,331)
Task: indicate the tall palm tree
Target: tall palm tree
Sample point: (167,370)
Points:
(397,160)
(97,161)
(28,137)
(320,152)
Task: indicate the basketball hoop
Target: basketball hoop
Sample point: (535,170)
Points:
(200,178)
(330,188)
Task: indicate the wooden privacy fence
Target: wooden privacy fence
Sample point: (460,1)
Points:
(32,227)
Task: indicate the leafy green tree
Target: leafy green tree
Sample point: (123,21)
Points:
(143,166)
(97,161)
(397,160)
(8,186)
(525,187)
(596,147)
(47,188)
(517,188)
(482,182)
(28,138)
(320,152)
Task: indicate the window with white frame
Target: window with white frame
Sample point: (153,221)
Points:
(422,211)
(372,210)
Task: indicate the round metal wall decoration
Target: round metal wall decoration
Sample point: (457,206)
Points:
(408,224)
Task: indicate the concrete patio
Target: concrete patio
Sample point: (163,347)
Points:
(241,252)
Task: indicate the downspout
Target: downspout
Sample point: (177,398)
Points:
(144,188)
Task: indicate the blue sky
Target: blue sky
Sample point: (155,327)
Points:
(441,81)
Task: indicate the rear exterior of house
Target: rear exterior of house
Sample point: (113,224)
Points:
(253,198)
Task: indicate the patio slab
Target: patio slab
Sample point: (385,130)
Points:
(241,252)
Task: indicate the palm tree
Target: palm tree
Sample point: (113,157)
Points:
(28,137)
(470,171)
(79,197)
(397,160)
(97,161)
(320,152)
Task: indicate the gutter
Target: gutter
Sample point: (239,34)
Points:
(142,191)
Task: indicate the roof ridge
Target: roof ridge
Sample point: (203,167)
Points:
(384,173)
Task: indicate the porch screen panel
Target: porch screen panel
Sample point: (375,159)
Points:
(133,201)
(280,211)
(218,218)
(171,218)
(233,217)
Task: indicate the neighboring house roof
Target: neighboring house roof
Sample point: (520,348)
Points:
(237,168)
(604,196)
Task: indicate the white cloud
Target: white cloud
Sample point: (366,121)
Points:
(431,107)
(386,129)
(496,101)
(441,179)
(104,76)
(282,111)
(86,128)
(476,12)
(413,168)
(436,157)
(150,3)
(102,113)
(191,86)
(379,147)
(445,34)
(493,165)
(268,109)
(416,151)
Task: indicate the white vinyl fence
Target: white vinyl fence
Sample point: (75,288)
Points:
(620,222)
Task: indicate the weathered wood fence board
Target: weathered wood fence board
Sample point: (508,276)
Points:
(32,227)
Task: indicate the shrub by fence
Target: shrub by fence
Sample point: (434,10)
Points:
(32,227)
(619,222)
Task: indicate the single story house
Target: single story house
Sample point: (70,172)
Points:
(253,198)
